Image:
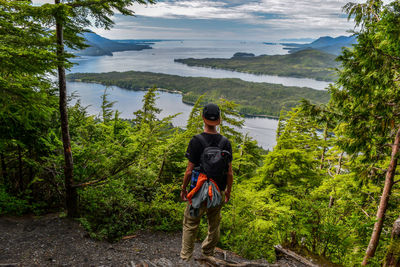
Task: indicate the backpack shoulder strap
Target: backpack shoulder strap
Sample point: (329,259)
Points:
(222,142)
(202,140)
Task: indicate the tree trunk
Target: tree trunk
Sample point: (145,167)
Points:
(71,194)
(324,148)
(392,258)
(331,198)
(340,163)
(30,166)
(161,169)
(20,175)
(331,201)
(241,155)
(3,168)
(380,215)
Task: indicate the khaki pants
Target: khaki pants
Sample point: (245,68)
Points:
(191,225)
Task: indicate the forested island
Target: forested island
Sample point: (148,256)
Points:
(253,98)
(308,63)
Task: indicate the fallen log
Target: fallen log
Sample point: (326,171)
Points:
(218,262)
(128,237)
(292,256)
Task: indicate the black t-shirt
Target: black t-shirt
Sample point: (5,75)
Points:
(195,149)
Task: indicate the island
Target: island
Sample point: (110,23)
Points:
(255,99)
(308,63)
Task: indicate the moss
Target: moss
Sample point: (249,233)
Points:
(393,253)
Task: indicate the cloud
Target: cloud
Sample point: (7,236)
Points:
(286,14)
(234,19)
(190,9)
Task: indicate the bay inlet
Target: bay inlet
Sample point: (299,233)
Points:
(160,59)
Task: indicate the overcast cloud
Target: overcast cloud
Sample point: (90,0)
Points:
(262,20)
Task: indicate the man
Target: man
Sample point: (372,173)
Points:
(211,118)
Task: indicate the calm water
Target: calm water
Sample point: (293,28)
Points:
(261,129)
(160,59)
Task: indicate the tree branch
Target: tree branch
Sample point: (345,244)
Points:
(101,2)
(94,182)
(366,214)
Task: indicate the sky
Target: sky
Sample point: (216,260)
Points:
(257,20)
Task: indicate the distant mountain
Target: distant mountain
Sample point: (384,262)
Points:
(298,40)
(327,44)
(100,46)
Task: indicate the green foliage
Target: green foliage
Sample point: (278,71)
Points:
(12,205)
(307,63)
(253,98)
(316,192)
(136,172)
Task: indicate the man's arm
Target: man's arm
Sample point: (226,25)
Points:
(229,183)
(186,180)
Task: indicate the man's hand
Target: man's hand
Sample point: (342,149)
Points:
(183,195)
(227,196)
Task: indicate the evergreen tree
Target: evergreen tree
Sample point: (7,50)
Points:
(27,99)
(70,18)
(106,107)
(366,98)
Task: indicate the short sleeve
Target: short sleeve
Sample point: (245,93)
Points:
(228,147)
(193,152)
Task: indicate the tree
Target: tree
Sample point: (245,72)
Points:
(28,102)
(106,107)
(366,98)
(70,18)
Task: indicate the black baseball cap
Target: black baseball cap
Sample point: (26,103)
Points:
(211,114)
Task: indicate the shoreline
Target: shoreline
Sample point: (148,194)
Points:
(175,92)
(253,73)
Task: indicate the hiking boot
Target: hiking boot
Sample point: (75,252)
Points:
(187,263)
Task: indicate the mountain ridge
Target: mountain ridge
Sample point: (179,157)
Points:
(328,44)
(101,46)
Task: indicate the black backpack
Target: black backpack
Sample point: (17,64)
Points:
(214,160)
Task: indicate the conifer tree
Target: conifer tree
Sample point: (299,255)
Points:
(27,99)
(106,107)
(367,96)
(70,19)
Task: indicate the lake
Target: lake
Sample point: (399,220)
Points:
(160,59)
(127,101)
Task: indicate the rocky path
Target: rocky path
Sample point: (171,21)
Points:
(54,241)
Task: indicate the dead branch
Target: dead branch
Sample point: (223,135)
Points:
(280,250)
(217,262)
(128,237)
(366,214)
(94,182)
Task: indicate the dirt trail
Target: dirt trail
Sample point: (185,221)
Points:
(54,241)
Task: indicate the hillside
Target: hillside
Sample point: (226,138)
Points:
(308,63)
(254,98)
(326,44)
(100,46)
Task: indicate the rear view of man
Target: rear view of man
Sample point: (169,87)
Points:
(218,150)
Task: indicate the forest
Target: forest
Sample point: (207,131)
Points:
(253,98)
(308,63)
(329,187)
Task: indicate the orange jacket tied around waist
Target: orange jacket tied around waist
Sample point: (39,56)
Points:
(206,189)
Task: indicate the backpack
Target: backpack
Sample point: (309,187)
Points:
(214,160)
